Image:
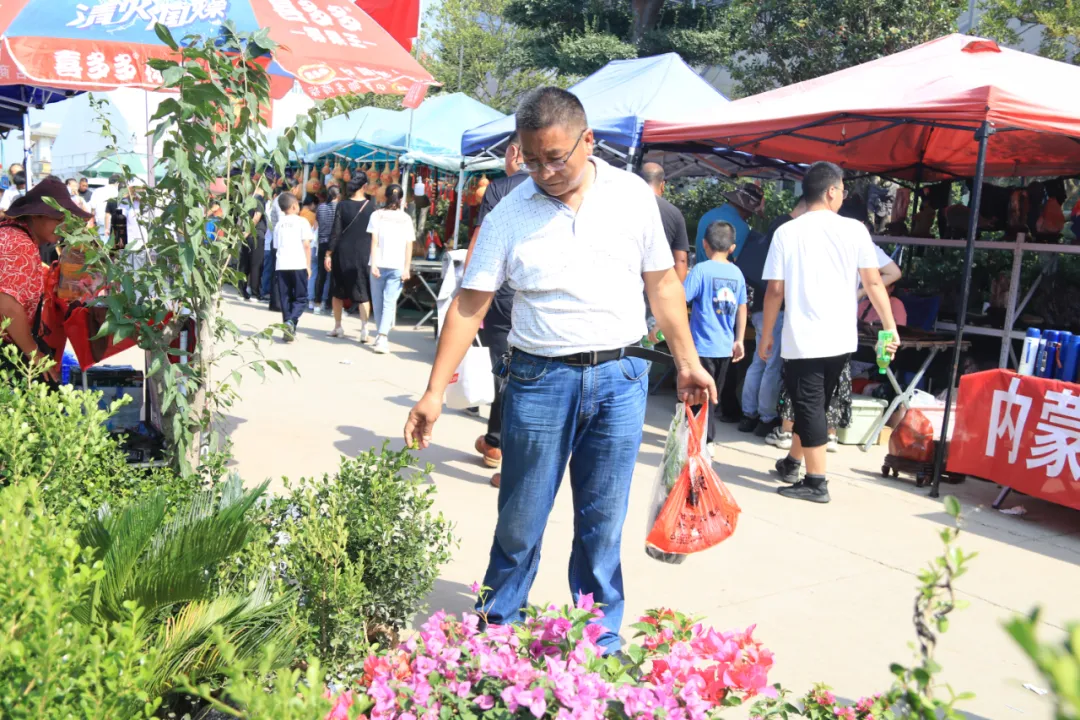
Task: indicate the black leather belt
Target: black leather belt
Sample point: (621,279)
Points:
(599,357)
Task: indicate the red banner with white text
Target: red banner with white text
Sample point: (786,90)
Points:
(1021,432)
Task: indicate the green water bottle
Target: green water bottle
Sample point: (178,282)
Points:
(884,337)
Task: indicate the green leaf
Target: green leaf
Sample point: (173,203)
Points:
(165,35)
(952,506)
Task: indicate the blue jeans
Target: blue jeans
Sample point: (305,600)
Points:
(268,271)
(591,417)
(761,386)
(385,290)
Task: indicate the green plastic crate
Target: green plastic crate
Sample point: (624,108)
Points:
(865,411)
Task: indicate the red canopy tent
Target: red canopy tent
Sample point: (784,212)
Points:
(914,110)
(958,106)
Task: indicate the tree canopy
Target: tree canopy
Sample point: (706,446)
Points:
(1008,20)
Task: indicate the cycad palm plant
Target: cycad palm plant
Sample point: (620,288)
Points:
(167,567)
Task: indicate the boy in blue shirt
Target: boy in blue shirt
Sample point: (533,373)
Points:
(716,290)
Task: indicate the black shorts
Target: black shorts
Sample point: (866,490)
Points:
(811,384)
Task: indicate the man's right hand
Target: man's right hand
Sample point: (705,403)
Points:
(765,346)
(422,419)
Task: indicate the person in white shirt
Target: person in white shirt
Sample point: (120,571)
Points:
(99,199)
(579,242)
(813,267)
(292,249)
(392,235)
(73,188)
(13,193)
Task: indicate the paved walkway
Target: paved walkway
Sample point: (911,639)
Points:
(830,588)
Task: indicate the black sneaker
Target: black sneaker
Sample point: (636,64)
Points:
(730,419)
(290,332)
(788,470)
(764,428)
(748,423)
(802,491)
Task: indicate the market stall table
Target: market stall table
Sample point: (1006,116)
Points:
(1020,432)
(911,340)
(423,294)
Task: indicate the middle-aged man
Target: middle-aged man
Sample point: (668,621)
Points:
(672,217)
(741,205)
(578,242)
(84,190)
(496,331)
(813,268)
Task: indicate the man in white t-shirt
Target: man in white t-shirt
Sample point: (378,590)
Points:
(13,193)
(99,199)
(813,269)
(292,249)
(579,242)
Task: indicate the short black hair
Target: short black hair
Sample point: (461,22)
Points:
(358,183)
(333,193)
(819,178)
(513,139)
(550,106)
(116,179)
(83,180)
(287,201)
(19,179)
(720,236)
(310,199)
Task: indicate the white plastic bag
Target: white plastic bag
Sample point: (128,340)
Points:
(473,384)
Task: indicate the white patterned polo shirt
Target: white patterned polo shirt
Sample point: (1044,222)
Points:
(577,276)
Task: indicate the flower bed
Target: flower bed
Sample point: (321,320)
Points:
(551,666)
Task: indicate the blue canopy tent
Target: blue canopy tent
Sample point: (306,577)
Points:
(620,97)
(429,135)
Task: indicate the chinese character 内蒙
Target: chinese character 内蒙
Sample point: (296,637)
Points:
(1058,435)
(68,64)
(101,14)
(124,67)
(96,67)
(1002,421)
(287,11)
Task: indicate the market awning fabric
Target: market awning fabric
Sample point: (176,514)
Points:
(438,124)
(621,96)
(915,110)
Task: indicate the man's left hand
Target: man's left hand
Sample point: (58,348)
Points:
(738,352)
(696,386)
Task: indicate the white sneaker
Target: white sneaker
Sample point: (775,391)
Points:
(833,445)
(381,346)
(364,338)
(779,438)
(338,332)
(318,310)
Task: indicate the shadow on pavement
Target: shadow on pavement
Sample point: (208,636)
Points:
(445,460)
(454,598)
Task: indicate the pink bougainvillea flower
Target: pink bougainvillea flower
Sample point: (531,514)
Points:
(340,711)
(845,713)
(485,702)
(475,588)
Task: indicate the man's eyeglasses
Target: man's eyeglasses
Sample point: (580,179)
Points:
(533,167)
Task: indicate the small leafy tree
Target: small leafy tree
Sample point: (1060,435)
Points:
(212,128)
(1058,21)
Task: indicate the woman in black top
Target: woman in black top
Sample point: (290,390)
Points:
(349,256)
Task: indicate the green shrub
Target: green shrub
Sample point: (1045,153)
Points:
(58,439)
(362,547)
(52,665)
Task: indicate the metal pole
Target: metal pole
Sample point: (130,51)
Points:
(28,164)
(1010,303)
(150,180)
(457,212)
(460,65)
(983,136)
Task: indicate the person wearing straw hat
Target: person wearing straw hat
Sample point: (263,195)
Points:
(30,224)
(742,204)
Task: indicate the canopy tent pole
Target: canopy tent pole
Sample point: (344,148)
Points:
(983,136)
(27,145)
(457,212)
(630,159)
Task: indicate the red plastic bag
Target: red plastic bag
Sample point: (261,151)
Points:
(913,439)
(699,511)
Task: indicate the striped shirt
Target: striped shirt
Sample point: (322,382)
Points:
(325,217)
